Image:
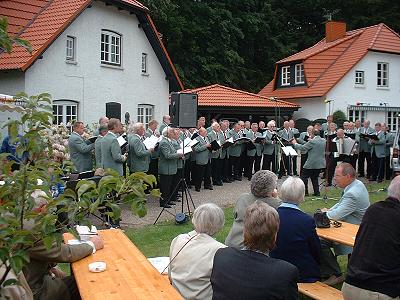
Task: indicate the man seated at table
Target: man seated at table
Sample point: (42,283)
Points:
(374,267)
(250,273)
(45,280)
(350,208)
(192,253)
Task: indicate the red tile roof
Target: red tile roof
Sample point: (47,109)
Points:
(219,95)
(325,63)
(42,21)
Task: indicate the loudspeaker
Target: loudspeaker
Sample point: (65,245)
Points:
(113,110)
(183,110)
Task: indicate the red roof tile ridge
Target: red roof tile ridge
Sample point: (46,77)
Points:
(238,91)
(375,36)
(34,18)
(333,63)
(325,48)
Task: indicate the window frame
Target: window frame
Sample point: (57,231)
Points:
(143,116)
(62,115)
(285,75)
(106,53)
(144,63)
(72,57)
(353,115)
(380,78)
(393,120)
(357,80)
(299,68)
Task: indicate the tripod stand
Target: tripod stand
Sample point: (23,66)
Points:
(325,181)
(185,193)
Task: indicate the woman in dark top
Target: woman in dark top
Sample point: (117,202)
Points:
(297,240)
(250,273)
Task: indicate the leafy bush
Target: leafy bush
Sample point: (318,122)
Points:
(339,117)
(21,226)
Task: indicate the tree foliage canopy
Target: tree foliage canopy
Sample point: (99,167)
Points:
(237,43)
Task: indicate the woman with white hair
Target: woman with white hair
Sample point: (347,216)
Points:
(297,240)
(192,254)
(263,188)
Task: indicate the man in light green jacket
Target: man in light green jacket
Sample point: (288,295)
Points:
(80,149)
(111,156)
(139,156)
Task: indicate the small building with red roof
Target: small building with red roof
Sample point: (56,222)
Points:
(221,102)
(89,55)
(355,71)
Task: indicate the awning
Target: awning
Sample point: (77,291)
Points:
(373,108)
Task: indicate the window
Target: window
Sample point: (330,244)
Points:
(145,113)
(144,63)
(359,77)
(393,120)
(382,74)
(299,68)
(286,75)
(357,115)
(64,111)
(110,48)
(70,48)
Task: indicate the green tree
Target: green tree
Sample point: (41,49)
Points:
(7,42)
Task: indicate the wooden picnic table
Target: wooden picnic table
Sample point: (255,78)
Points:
(345,234)
(129,275)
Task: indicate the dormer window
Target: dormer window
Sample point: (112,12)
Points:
(286,75)
(299,73)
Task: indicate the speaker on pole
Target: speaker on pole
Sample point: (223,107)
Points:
(183,110)
(113,110)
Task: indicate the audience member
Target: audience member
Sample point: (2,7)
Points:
(45,280)
(80,149)
(250,273)
(192,254)
(263,188)
(374,267)
(297,241)
(350,208)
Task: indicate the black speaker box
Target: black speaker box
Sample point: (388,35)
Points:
(184,110)
(113,110)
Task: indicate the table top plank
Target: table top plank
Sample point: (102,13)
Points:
(319,291)
(345,234)
(129,275)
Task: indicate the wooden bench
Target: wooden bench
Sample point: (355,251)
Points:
(319,291)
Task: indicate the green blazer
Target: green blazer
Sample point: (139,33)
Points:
(316,153)
(161,128)
(364,145)
(379,146)
(214,136)
(42,259)
(177,146)
(286,135)
(236,149)
(168,160)
(269,146)
(203,155)
(139,156)
(111,156)
(301,140)
(258,150)
(97,151)
(224,151)
(80,151)
(389,142)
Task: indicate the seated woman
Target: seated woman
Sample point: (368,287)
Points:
(250,273)
(192,254)
(263,188)
(297,241)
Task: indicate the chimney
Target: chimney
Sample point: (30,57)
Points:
(334,30)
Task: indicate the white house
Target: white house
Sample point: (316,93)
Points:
(87,54)
(357,72)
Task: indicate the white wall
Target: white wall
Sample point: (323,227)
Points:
(311,108)
(93,84)
(12,82)
(346,92)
